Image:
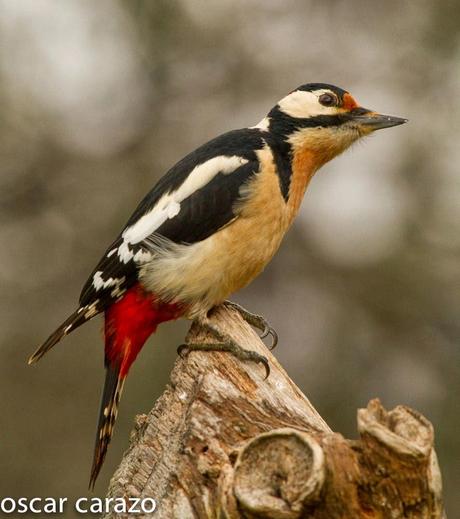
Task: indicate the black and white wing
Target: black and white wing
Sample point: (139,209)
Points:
(190,203)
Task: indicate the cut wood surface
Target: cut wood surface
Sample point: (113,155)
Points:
(224,442)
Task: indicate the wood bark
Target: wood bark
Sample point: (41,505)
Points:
(223,442)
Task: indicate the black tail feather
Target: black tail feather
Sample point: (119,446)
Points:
(113,387)
(79,317)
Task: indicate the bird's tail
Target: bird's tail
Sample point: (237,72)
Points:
(113,387)
(128,324)
(79,317)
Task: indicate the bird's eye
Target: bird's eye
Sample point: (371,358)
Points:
(327,100)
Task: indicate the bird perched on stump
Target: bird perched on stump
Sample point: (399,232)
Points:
(208,228)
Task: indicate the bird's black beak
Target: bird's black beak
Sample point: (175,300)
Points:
(371,121)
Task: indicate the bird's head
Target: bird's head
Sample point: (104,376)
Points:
(324,120)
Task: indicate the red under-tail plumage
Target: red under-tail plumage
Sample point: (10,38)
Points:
(128,324)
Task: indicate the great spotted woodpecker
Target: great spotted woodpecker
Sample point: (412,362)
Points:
(208,228)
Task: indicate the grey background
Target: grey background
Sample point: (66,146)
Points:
(98,99)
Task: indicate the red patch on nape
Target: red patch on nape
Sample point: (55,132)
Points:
(349,102)
(130,321)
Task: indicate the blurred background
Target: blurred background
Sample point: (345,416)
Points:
(99,99)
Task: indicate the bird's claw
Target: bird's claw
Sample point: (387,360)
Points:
(268,330)
(230,347)
(181,349)
(257,321)
(259,359)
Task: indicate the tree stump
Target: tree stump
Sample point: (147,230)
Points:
(223,442)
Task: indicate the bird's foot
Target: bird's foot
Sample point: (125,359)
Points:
(225,343)
(257,321)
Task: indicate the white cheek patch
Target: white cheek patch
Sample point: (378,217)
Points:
(302,104)
(169,204)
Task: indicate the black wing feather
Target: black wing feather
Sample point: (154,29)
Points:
(243,142)
(201,214)
(208,209)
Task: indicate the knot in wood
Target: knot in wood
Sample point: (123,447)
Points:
(278,473)
(401,430)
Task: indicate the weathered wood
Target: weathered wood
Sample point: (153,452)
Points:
(222,442)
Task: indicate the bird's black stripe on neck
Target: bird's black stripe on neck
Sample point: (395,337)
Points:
(282,126)
(323,121)
(281,150)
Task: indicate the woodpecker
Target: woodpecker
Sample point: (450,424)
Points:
(207,228)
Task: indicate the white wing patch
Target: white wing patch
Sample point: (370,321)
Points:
(304,104)
(263,125)
(167,207)
(169,204)
(142,256)
(91,310)
(99,283)
(124,253)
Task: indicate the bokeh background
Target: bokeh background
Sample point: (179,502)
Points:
(99,99)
